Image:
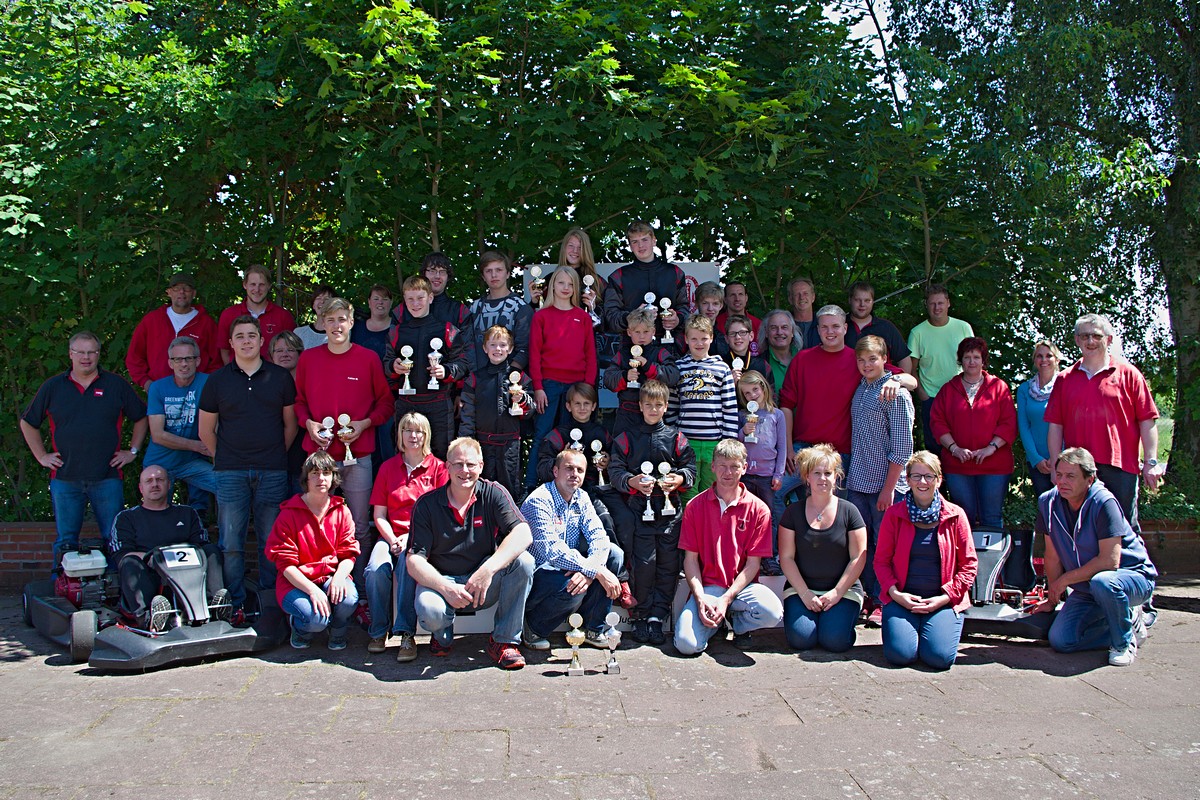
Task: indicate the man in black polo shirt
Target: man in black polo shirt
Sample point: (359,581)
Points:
(467,548)
(87,407)
(248,421)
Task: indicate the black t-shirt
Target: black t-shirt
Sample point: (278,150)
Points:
(455,546)
(85,424)
(822,556)
(897,347)
(250,415)
(139,529)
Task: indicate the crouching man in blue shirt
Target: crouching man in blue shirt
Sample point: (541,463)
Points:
(1091,549)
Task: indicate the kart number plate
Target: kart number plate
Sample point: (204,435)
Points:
(180,557)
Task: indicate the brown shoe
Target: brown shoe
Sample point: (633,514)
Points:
(408,648)
(377,645)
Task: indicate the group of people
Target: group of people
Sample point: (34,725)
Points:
(381,457)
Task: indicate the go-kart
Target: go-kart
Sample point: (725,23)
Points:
(1007,587)
(80,610)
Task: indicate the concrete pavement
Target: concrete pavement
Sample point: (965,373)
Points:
(1011,719)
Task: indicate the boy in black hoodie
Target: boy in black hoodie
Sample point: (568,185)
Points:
(489,396)
(656,361)
(655,552)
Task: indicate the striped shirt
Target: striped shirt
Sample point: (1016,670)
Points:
(559,528)
(880,435)
(705,402)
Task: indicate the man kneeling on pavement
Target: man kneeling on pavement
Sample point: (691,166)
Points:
(577,565)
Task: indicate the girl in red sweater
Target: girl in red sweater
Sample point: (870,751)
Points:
(562,351)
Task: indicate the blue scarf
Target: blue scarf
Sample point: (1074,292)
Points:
(924,516)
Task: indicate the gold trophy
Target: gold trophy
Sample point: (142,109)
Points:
(515,391)
(614,641)
(576,439)
(406,359)
(343,432)
(635,362)
(597,457)
(325,434)
(664,469)
(536,282)
(435,358)
(575,638)
(667,337)
(648,477)
(752,421)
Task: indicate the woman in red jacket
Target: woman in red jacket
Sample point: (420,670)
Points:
(974,418)
(313,547)
(925,564)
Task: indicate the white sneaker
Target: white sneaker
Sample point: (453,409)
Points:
(1140,631)
(1122,658)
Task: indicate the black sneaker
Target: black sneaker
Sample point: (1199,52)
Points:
(743,640)
(641,631)
(655,635)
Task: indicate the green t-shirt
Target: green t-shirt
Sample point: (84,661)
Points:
(778,370)
(937,347)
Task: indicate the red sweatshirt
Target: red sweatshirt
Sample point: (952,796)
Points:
(562,346)
(146,358)
(298,540)
(957,549)
(329,384)
(973,426)
(274,319)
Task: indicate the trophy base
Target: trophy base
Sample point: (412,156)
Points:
(574,671)
(612,668)
(751,440)
(668,512)
(349,461)
(634,385)
(516,412)
(406,392)
(648,517)
(433,386)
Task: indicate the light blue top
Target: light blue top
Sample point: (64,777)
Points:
(1034,429)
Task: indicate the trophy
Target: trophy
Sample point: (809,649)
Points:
(435,358)
(614,641)
(664,469)
(667,337)
(647,476)
(325,434)
(343,432)
(752,419)
(536,281)
(738,365)
(576,439)
(406,359)
(575,638)
(588,284)
(514,390)
(650,297)
(597,455)
(635,362)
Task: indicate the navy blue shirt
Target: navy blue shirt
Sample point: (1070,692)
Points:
(85,424)
(924,577)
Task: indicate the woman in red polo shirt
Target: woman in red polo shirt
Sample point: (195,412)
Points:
(401,480)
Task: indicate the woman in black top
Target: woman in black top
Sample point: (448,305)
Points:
(822,551)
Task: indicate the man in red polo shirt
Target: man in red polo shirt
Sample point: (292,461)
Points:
(272,319)
(1103,404)
(724,535)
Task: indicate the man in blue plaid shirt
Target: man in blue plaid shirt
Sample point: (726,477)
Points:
(577,565)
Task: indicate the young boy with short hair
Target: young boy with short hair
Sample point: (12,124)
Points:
(705,403)
(498,306)
(417,330)
(656,362)
(654,556)
(488,398)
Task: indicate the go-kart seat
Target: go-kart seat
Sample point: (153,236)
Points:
(184,568)
(1018,568)
(992,546)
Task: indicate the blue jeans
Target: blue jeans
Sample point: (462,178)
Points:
(70,498)
(932,638)
(755,607)
(1102,615)
(508,590)
(237,492)
(981,497)
(201,481)
(832,629)
(865,502)
(543,423)
(549,602)
(307,621)
(356,491)
(387,581)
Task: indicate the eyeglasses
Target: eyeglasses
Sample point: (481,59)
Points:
(182,359)
(1090,336)
(87,353)
(411,432)
(437,271)
(739,333)
(922,478)
(467,465)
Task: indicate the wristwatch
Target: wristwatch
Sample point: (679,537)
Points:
(133,450)
(1151,462)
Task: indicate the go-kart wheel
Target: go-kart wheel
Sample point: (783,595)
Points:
(26,613)
(83,635)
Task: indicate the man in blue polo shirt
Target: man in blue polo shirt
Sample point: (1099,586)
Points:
(248,421)
(87,408)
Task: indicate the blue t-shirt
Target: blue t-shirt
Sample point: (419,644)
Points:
(180,406)
(924,577)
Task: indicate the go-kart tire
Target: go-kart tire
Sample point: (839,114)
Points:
(83,635)
(26,613)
